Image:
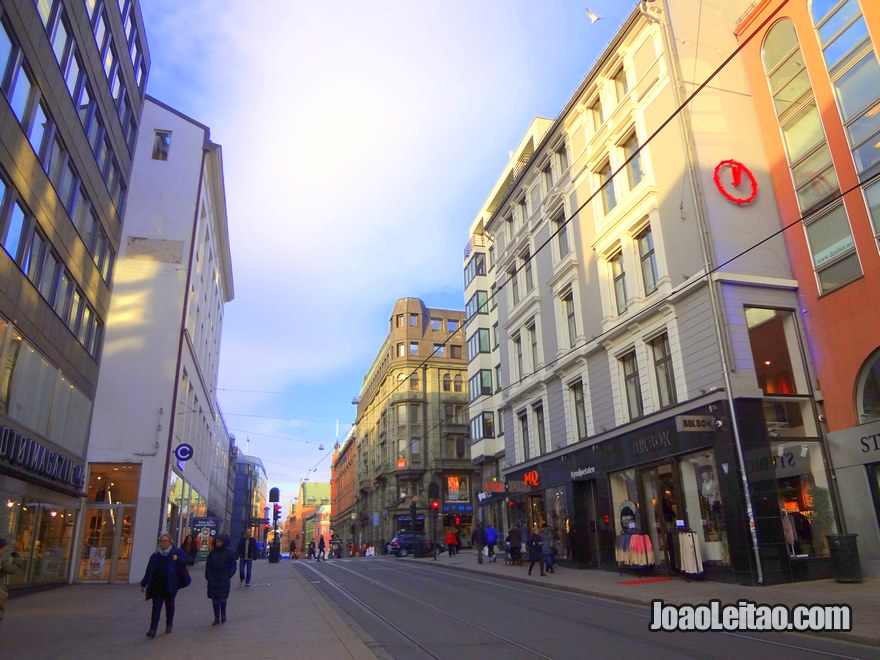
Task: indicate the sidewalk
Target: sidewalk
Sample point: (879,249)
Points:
(280,615)
(863,597)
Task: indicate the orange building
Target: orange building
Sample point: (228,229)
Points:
(815,76)
(343,490)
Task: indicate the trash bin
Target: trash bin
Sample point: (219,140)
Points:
(845,565)
(274,553)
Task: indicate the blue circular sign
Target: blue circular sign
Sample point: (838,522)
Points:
(184,452)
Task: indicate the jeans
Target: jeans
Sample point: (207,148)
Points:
(242,565)
(158,601)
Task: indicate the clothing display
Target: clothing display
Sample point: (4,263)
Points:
(634,549)
(690,557)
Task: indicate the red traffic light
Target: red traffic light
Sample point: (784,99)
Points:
(435,505)
(457,520)
(266,525)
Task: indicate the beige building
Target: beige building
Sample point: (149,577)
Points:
(412,428)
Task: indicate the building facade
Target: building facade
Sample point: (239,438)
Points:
(412,428)
(655,380)
(73,80)
(156,418)
(312,495)
(343,490)
(815,77)
(250,508)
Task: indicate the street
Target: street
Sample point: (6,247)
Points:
(416,608)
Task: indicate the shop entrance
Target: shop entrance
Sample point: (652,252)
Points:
(591,528)
(107,543)
(661,492)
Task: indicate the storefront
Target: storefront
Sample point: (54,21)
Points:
(855,454)
(184,504)
(40,501)
(676,484)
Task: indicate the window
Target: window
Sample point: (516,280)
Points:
(527,270)
(524,435)
(539,428)
(414,320)
(398,320)
(632,385)
(580,409)
(478,304)
(436,324)
(483,426)
(562,158)
(645,241)
(513,278)
(480,384)
(414,348)
(447,383)
(497,378)
(161,145)
(872,196)
(522,211)
(478,343)
(620,85)
(596,114)
(414,381)
(451,325)
(547,177)
(833,249)
(609,200)
(17,228)
(571,323)
(619,277)
(496,337)
(630,148)
(439,350)
(456,382)
(455,351)
(868,390)
(518,356)
(533,345)
(773,336)
(560,230)
(401,350)
(663,371)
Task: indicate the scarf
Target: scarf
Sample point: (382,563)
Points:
(165,552)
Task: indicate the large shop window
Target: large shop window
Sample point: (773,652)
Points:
(699,479)
(804,497)
(41,533)
(184,504)
(776,351)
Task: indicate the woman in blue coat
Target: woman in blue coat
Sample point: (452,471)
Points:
(161,582)
(219,569)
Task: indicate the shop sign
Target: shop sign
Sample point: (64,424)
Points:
(627,513)
(517,486)
(38,459)
(531,478)
(496,486)
(583,473)
(651,443)
(694,423)
(856,445)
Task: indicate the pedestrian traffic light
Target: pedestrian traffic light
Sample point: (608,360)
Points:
(457,520)
(435,505)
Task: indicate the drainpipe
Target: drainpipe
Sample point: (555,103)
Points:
(705,246)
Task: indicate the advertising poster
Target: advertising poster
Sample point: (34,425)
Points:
(204,530)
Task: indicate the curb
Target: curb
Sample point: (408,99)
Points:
(836,635)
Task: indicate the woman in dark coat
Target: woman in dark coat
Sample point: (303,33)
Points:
(536,551)
(161,582)
(219,569)
(190,549)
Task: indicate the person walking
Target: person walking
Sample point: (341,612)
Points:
(491,541)
(292,549)
(9,563)
(513,539)
(450,542)
(219,569)
(322,546)
(547,549)
(190,550)
(311,554)
(536,554)
(162,580)
(478,540)
(246,552)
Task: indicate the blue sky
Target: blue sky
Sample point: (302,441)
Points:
(359,142)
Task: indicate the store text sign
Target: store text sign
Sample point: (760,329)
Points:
(531,478)
(38,459)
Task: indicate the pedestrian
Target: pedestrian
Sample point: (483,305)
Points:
(219,569)
(478,539)
(246,552)
(9,564)
(547,549)
(311,554)
(161,582)
(491,540)
(322,546)
(450,542)
(513,539)
(292,549)
(190,549)
(536,553)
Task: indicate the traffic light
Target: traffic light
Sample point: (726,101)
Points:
(435,506)
(276,512)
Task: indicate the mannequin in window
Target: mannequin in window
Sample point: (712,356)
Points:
(709,488)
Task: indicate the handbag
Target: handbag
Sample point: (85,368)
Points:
(183,578)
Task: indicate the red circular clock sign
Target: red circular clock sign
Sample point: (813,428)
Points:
(737,170)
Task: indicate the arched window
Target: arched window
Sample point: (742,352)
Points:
(447,382)
(829,236)
(414,381)
(458,383)
(868,390)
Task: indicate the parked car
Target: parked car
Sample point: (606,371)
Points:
(405,543)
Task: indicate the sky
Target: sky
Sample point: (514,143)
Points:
(360,140)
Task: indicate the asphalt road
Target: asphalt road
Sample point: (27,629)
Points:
(410,608)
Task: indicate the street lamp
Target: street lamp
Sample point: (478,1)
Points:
(353,544)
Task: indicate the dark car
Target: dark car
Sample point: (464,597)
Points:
(406,543)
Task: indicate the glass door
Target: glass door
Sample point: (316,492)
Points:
(124,544)
(660,495)
(101,536)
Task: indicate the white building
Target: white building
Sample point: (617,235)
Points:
(159,372)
